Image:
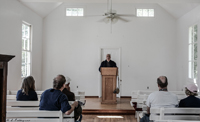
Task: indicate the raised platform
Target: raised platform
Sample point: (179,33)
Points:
(94,106)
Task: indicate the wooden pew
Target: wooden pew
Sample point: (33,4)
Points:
(160,114)
(141,96)
(79,95)
(139,99)
(8,92)
(15,92)
(175,121)
(29,111)
(38,116)
(13,97)
(24,105)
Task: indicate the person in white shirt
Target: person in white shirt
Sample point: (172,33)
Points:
(161,98)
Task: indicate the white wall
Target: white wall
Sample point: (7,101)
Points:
(71,47)
(183,24)
(12,13)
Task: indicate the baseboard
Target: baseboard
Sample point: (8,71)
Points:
(107,111)
(91,96)
(98,96)
(125,96)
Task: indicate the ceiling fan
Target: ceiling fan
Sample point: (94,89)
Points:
(111,15)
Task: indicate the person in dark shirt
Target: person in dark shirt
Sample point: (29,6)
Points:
(54,100)
(191,101)
(108,62)
(27,91)
(66,91)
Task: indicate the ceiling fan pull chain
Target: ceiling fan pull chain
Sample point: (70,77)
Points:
(111,25)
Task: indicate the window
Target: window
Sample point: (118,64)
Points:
(193,52)
(74,12)
(145,12)
(26,50)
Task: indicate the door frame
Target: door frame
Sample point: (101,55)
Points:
(118,65)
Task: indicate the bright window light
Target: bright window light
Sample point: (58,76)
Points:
(193,52)
(74,12)
(145,12)
(26,50)
(110,117)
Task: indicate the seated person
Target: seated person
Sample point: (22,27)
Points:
(53,99)
(161,98)
(27,92)
(191,101)
(66,91)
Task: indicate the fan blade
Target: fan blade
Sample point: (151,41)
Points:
(117,17)
(127,15)
(106,20)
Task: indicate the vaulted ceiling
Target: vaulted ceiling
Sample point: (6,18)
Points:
(42,8)
(176,8)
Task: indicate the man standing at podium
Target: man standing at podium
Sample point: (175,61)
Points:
(107,62)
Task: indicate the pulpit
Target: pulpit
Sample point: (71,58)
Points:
(4,59)
(109,77)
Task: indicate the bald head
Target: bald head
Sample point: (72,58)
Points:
(162,82)
(108,57)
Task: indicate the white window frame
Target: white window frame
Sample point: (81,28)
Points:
(144,16)
(75,7)
(191,54)
(30,44)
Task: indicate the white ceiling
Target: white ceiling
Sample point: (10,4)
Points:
(176,8)
(42,8)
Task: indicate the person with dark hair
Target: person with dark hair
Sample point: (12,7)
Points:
(27,92)
(108,62)
(191,101)
(54,100)
(161,98)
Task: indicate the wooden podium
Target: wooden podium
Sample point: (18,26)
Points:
(3,84)
(109,77)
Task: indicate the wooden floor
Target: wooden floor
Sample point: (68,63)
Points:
(94,106)
(94,118)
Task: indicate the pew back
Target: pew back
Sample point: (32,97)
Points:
(175,121)
(140,98)
(25,105)
(175,114)
(11,95)
(39,116)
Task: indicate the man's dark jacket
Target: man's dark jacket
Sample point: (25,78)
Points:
(70,95)
(104,64)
